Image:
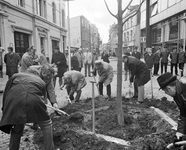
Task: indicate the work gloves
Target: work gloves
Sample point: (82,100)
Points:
(178,137)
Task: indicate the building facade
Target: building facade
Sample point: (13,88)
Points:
(38,23)
(167,24)
(131,29)
(83,34)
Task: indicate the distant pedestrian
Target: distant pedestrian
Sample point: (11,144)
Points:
(140,75)
(42,58)
(105,72)
(87,62)
(94,58)
(156,60)
(74,63)
(174,61)
(12,61)
(59,60)
(26,60)
(79,56)
(181,60)
(74,81)
(164,59)
(136,54)
(35,56)
(148,57)
(105,56)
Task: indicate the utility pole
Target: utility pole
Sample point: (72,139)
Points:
(148,28)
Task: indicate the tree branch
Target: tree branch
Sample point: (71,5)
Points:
(109,10)
(126,19)
(127,6)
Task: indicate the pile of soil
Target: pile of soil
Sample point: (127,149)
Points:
(144,132)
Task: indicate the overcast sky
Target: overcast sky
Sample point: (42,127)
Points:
(96,12)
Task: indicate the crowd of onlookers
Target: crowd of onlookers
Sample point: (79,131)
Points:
(160,59)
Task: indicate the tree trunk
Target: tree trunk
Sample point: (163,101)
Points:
(120,116)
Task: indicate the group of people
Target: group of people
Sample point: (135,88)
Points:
(27,91)
(31,86)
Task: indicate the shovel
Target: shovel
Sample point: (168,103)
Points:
(75,117)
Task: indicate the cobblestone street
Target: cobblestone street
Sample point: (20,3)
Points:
(26,142)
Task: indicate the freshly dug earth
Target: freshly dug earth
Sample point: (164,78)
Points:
(143,130)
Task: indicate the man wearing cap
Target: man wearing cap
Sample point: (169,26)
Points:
(12,61)
(176,89)
(74,81)
(24,102)
(140,75)
(105,72)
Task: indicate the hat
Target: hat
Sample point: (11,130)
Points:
(165,79)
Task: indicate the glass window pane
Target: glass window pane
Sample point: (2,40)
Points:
(171,2)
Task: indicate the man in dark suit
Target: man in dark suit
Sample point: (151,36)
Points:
(136,54)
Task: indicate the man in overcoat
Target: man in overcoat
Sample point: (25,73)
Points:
(59,60)
(24,101)
(74,81)
(106,74)
(12,61)
(176,89)
(140,75)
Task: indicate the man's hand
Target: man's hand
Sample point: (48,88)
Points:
(178,137)
(55,105)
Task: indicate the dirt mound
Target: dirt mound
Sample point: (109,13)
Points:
(142,129)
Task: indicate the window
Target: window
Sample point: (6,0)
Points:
(127,36)
(131,35)
(41,8)
(162,5)
(21,3)
(131,21)
(63,18)
(154,10)
(54,12)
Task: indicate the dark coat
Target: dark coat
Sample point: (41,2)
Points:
(23,101)
(12,61)
(174,58)
(180,100)
(138,69)
(149,60)
(61,63)
(74,63)
(164,57)
(156,58)
(136,55)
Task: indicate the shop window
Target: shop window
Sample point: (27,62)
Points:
(54,12)
(21,3)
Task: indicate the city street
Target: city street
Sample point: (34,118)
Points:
(86,93)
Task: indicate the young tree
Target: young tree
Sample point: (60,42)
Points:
(121,22)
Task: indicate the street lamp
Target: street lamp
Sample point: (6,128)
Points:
(69,52)
(184,19)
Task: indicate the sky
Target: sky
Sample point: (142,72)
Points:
(96,12)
